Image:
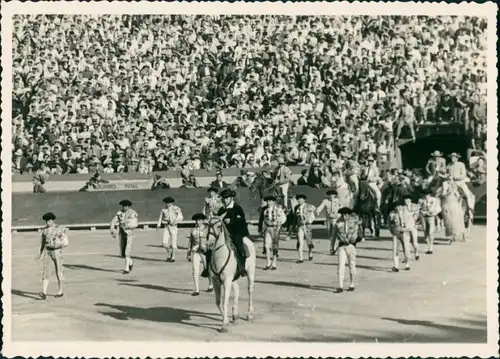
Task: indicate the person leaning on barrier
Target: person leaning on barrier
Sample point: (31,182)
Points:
(54,239)
(159,183)
(93,183)
(122,226)
(170,217)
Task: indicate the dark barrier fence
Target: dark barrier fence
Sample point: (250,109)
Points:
(80,208)
(84,208)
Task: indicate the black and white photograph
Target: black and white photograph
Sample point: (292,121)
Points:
(245,179)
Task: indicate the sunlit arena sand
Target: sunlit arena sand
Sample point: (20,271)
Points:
(442,298)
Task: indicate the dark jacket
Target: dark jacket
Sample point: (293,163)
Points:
(216,184)
(237,226)
(302,181)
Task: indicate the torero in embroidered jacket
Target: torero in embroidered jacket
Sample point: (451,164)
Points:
(429,206)
(212,206)
(170,216)
(347,230)
(271,216)
(198,239)
(304,214)
(125,221)
(54,237)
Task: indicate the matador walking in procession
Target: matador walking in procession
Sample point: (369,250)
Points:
(304,217)
(197,250)
(170,217)
(347,232)
(54,239)
(331,205)
(122,227)
(272,217)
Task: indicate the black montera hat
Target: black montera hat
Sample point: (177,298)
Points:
(227,193)
(126,202)
(345,210)
(299,196)
(168,200)
(198,217)
(49,216)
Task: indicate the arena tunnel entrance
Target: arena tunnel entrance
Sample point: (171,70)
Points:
(416,155)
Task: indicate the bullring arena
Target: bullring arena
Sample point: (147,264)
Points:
(442,298)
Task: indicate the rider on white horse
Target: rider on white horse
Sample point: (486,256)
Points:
(234,218)
(458,174)
(371,174)
(345,196)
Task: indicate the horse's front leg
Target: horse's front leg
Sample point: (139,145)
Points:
(251,280)
(236,298)
(217,291)
(225,304)
(377,224)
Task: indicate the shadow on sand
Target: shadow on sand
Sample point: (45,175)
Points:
(161,246)
(29,295)
(160,288)
(138,258)
(84,266)
(159,314)
(296,285)
(362,266)
(471,330)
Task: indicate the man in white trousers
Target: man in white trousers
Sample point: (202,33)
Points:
(122,226)
(282,178)
(170,216)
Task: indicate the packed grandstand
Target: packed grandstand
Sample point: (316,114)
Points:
(148,93)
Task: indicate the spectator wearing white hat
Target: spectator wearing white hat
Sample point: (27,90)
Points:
(458,173)
(436,164)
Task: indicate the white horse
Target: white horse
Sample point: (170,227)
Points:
(457,216)
(222,270)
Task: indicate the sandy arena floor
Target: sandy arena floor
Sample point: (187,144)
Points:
(442,298)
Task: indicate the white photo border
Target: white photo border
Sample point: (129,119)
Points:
(246,349)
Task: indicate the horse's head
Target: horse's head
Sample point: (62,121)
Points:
(217,230)
(446,188)
(257,182)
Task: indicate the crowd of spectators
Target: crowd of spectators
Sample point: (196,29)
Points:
(149,93)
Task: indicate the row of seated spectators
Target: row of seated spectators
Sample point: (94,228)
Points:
(143,93)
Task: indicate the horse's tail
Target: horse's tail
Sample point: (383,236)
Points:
(251,258)
(250,247)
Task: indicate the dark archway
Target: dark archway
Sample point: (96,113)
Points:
(416,155)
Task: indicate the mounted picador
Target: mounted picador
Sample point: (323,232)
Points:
(233,216)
